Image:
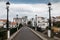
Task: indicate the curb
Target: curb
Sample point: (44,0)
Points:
(56,38)
(14,34)
(40,36)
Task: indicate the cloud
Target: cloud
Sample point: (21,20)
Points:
(29,10)
(3,0)
(54,1)
(56,9)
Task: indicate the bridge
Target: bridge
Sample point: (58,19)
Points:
(25,34)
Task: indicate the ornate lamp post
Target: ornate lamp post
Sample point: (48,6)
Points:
(49,28)
(17,21)
(7,7)
(35,22)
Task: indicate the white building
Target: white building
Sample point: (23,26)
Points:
(12,24)
(24,20)
(19,20)
(2,22)
(57,18)
(42,22)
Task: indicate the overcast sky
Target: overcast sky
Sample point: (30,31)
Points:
(29,8)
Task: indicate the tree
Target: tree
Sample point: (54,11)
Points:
(29,23)
(57,24)
(20,25)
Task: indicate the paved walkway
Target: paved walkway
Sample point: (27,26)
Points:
(26,34)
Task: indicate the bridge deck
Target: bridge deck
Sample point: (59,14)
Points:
(26,34)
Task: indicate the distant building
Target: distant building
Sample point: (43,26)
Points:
(42,22)
(57,18)
(2,22)
(13,24)
(19,20)
(24,20)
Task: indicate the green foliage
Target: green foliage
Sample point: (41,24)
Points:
(57,24)
(29,22)
(20,25)
(13,30)
(3,34)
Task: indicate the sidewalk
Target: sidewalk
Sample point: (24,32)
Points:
(43,36)
(14,34)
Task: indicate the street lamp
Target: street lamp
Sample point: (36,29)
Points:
(7,7)
(49,28)
(17,20)
(35,22)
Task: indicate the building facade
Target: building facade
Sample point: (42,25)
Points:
(12,24)
(42,22)
(2,22)
(19,20)
(24,20)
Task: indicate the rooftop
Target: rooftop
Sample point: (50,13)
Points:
(3,20)
(13,23)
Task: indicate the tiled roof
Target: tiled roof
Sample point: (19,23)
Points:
(13,23)
(3,20)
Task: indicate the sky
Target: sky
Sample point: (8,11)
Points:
(29,8)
